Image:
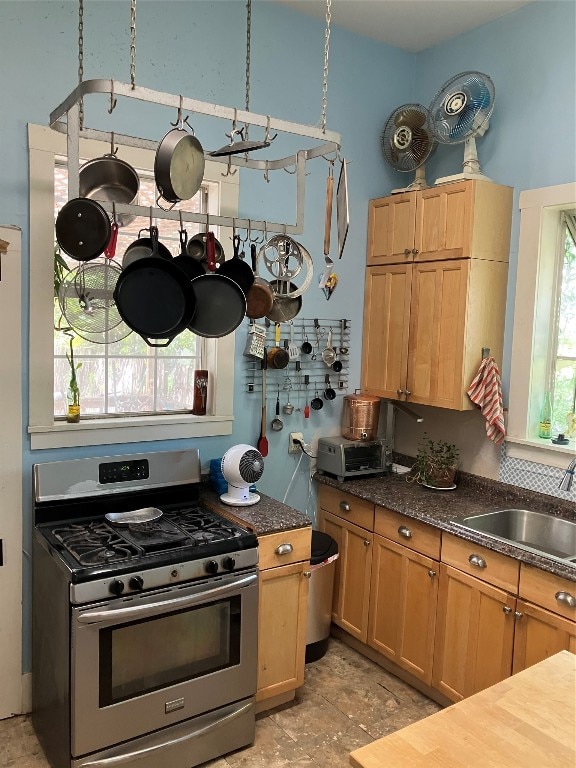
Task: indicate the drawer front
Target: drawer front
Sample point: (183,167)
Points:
(284,547)
(408,532)
(550,591)
(351,508)
(492,567)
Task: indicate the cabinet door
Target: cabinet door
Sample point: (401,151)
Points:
(474,635)
(436,336)
(391,229)
(352,578)
(444,222)
(403,597)
(540,634)
(386,328)
(283,611)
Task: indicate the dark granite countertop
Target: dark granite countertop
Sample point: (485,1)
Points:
(474,496)
(267,516)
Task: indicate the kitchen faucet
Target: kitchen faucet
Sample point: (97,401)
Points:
(568,476)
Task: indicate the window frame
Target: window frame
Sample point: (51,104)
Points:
(540,225)
(44,146)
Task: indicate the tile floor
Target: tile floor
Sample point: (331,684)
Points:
(345,702)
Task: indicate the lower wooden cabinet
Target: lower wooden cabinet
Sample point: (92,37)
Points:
(283,611)
(540,634)
(474,635)
(403,597)
(352,579)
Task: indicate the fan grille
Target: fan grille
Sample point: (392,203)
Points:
(462,107)
(406,140)
(251,466)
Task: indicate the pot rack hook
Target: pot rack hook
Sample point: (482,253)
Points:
(248,230)
(207,222)
(257,240)
(266,174)
(267,137)
(113,99)
(291,172)
(113,148)
(151,219)
(181,222)
(229,171)
(114,211)
(179,120)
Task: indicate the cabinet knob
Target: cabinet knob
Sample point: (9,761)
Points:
(407,392)
(344,506)
(506,609)
(399,391)
(404,531)
(478,561)
(284,549)
(366,543)
(567,598)
(415,251)
(307,574)
(431,573)
(518,614)
(407,251)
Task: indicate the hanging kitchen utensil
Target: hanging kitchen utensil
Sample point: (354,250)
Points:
(284,308)
(288,408)
(220,302)
(317,403)
(329,353)
(260,297)
(196,248)
(329,393)
(306,406)
(342,212)
(277,423)
(83,229)
(179,164)
(237,269)
(142,248)
(256,341)
(293,351)
(155,298)
(343,325)
(306,347)
(262,443)
(285,259)
(238,147)
(110,179)
(190,267)
(86,297)
(278,356)
(329,198)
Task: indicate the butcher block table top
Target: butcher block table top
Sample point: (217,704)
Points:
(526,721)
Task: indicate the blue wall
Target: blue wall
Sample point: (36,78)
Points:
(198,48)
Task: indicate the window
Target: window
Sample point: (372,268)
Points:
(544,334)
(216,355)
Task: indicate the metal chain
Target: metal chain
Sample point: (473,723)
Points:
(248,34)
(133,43)
(326,52)
(81,59)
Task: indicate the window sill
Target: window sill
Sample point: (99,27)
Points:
(60,434)
(540,451)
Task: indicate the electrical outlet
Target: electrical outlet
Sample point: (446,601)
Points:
(292,446)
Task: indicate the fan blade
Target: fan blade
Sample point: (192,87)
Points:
(410,117)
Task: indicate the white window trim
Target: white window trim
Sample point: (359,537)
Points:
(44,145)
(540,217)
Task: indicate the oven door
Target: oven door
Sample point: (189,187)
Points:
(148,661)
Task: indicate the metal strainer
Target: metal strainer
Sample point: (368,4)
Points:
(86,298)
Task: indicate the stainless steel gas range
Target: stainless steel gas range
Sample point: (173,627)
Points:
(144,635)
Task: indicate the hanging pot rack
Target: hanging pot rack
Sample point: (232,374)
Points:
(65,119)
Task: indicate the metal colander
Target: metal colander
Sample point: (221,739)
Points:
(86,298)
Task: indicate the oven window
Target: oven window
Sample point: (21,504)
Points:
(154,653)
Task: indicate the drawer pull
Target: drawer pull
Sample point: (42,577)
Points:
(415,251)
(478,561)
(406,532)
(307,574)
(407,392)
(344,506)
(431,573)
(506,609)
(567,598)
(407,251)
(284,549)
(366,543)
(399,391)
(518,614)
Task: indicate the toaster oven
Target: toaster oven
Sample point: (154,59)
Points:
(346,459)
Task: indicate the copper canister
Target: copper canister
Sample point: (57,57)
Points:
(360,417)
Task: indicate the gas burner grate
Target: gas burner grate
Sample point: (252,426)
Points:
(156,535)
(94,543)
(204,526)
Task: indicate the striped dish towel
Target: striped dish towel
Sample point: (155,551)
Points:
(486,392)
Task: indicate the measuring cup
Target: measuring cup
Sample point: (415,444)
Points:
(317,403)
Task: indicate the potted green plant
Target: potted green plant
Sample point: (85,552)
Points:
(436,463)
(73,414)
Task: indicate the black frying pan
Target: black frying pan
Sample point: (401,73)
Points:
(220,302)
(83,229)
(154,297)
(237,269)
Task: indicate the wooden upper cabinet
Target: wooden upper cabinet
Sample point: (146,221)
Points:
(465,219)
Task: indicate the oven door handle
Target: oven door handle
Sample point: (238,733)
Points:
(129,757)
(151,609)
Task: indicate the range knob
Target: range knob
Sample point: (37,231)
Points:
(229,563)
(136,582)
(211,567)
(116,587)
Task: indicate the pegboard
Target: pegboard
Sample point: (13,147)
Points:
(290,380)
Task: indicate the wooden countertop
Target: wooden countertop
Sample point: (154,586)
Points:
(527,721)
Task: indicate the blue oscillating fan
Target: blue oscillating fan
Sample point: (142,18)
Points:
(460,112)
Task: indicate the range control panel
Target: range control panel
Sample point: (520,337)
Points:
(121,471)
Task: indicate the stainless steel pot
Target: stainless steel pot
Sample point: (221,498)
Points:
(109,179)
(179,166)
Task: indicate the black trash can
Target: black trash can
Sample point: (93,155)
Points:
(322,565)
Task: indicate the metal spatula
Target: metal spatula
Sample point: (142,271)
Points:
(293,349)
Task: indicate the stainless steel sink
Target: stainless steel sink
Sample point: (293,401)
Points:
(534,531)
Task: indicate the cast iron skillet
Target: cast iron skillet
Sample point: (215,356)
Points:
(83,229)
(154,297)
(237,269)
(220,302)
